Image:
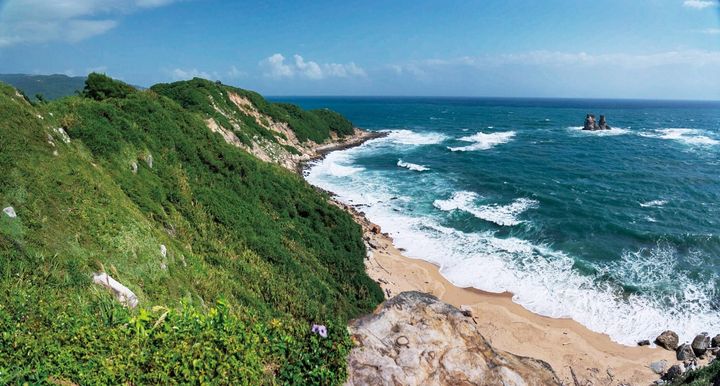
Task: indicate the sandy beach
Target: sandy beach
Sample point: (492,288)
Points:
(578,356)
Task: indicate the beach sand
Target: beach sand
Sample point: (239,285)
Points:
(578,356)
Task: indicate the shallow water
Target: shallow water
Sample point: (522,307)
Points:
(618,230)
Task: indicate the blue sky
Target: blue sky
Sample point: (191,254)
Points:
(667,49)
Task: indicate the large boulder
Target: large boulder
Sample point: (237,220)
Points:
(668,340)
(700,344)
(715,342)
(416,339)
(685,352)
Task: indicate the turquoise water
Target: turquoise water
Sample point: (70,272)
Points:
(618,230)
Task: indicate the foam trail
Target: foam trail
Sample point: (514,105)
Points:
(408,137)
(685,136)
(653,203)
(483,141)
(411,166)
(503,215)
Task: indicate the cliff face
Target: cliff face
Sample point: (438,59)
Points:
(415,339)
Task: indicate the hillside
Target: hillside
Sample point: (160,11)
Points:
(49,86)
(277,132)
(231,258)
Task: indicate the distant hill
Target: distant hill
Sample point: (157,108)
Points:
(49,86)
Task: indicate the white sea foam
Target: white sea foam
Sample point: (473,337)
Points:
(543,280)
(653,203)
(409,137)
(337,164)
(683,135)
(503,215)
(411,166)
(600,133)
(484,141)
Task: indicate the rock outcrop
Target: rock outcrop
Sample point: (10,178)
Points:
(685,353)
(701,344)
(416,339)
(668,340)
(122,293)
(592,125)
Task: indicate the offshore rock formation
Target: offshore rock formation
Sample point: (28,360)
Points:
(416,339)
(592,125)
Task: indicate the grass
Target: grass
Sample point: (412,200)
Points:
(246,240)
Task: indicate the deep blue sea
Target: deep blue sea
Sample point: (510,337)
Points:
(618,230)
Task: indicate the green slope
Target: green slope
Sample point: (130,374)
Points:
(206,97)
(238,231)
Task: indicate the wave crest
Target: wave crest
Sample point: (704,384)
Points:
(411,166)
(484,141)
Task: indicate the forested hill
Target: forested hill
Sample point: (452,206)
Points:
(47,87)
(231,258)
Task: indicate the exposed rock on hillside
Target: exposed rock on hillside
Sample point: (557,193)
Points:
(416,339)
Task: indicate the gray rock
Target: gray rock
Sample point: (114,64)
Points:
(715,342)
(700,344)
(674,372)
(590,123)
(134,167)
(658,367)
(685,352)
(668,340)
(644,343)
(10,212)
(416,339)
(163,250)
(149,160)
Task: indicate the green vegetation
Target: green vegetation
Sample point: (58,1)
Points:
(49,86)
(254,254)
(706,376)
(207,97)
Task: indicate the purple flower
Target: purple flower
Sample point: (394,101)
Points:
(319,329)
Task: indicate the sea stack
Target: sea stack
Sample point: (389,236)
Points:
(592,125)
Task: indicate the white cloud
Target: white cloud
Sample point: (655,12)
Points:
(711,31)
(700,4)
(39,21)
(181,74)
(275,67)
(309,69)
(234,73)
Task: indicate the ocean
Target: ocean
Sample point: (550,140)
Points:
(618,230)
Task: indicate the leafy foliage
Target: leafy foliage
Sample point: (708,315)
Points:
(100,87)
(705,376)
(141,171)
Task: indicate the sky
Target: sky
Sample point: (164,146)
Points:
(654,49)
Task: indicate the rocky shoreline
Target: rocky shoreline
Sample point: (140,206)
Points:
(379,359)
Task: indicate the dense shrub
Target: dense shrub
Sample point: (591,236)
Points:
(99,87)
